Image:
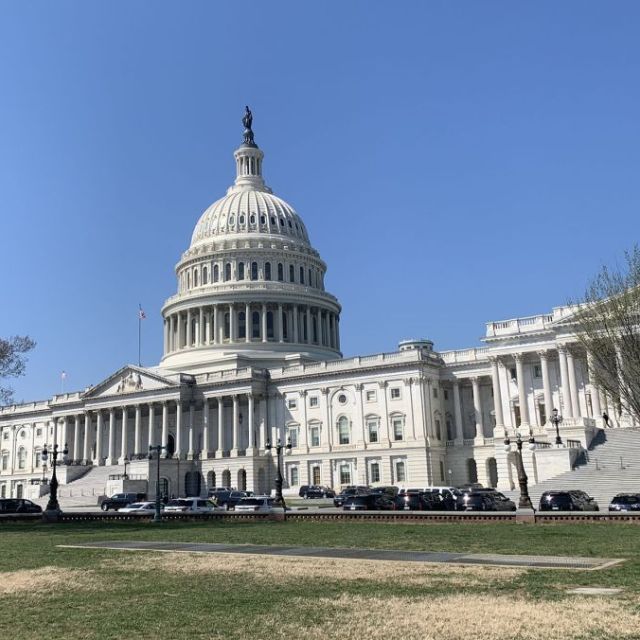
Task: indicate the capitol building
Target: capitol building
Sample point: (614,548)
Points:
(252,354)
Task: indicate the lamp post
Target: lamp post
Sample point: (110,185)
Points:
(556,419)
(53,505)
(126,462)
(158,448)
(525,500)
(279,500)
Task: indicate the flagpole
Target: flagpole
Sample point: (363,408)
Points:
(139,334)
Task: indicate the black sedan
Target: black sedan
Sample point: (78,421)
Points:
(421,501)
(625,502)
(18,505)
(368,502)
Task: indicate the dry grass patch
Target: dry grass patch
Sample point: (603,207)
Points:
(270,569)
(464,617)
(43,578)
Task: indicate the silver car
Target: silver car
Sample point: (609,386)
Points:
(255,504)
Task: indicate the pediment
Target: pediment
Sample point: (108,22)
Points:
(132,379)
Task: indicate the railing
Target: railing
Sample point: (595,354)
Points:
(574,444)
(518,325)
(543,445)
(465,355)
(126,476)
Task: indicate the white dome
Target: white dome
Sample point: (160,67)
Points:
(249,211)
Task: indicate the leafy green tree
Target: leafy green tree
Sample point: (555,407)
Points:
(12,362)
(608,326)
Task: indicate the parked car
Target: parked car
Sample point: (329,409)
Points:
(416,500)
(140,507)
(391,491)
(255,504)
(189,505)
(625,502)
(351,490)
(573,500)
(18,505)
(227,500)
(119,500)
(316,491)
(487,501)
(369,502)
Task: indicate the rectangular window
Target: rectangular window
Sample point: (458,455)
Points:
(315,436)
(294,476)
(313,401)
(37,459)
(543,414)
(435,392)
(5,435)
(401,472)
(371,396)
(446,394)
(292,403)
(292,435)
(5,461)
(315,475)
(345,473)
(512,373)
(441,471)
(395,393)
(38,432)
(372,427)
(343,431)
(438,430)
(398,429)
(374,472)
(537,371)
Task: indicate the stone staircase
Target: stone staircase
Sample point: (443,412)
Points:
(609,466)
(85,491)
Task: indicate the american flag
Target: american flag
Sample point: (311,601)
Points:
(141,314)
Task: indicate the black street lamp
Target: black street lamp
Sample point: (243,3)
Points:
(556,419)
(279,500)
(158,447)
(525,500)
(126,462)
(53,505)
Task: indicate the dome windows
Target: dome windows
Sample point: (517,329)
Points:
(273,220)
(252,219)
(267,271)
(227,271)
(263,220)
(232,220)
(254,270)
(280,272)
(241,219)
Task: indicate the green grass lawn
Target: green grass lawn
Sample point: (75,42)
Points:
(80,593)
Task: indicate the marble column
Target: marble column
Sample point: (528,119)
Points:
(477,408)
(86,451)
(99,429)
(137,439)
(165,426)
(247,323)
(296,338)
(595,391)
(573,385)
(206,448)
(457,413)
(111,458)
(236,426)
(190,451)
(250,421)
(264,322)
(280,327)
(178,452)
(201,326)
(232,324)
(221,439)
(189,333)
(77,454)
(546,384)
(522,393)
(151,439)
(497,394)
(124,451)
(564,382)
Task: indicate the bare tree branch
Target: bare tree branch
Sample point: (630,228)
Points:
(13,362)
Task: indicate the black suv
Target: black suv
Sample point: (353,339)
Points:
(421,501)
(316,491)
(18,505)
(347,492)
(625,502)
(574,500)
(228,499)
(119,500)
(369,502)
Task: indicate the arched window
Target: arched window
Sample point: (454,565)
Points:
(280,272)
(5,460)
(227,271)
(292,277)
(22,458)
(226,479)
(195,277)
(343,430)
(240,270)
(267,271)
(241,219)
(270,333)
(216,273)
(205,275)
(37,458)
(255,324)
(242,325)
(373,428)
(301,275)
(254,270)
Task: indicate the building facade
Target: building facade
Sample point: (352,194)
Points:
(252,355)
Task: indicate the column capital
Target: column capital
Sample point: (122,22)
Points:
(543,354)
(324,391)
(303,393)
(561,347)
(519,356)
(383,384)
(359,386)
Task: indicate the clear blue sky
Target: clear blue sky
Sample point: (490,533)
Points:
(454,162)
